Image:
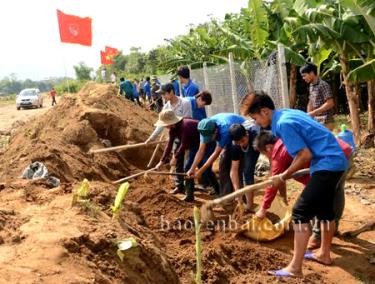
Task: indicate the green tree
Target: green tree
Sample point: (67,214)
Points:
(83,71)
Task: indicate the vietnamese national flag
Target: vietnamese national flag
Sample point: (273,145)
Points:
(74,29)
(111,51)
(106,59)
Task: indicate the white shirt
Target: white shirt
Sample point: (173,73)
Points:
(181,108)
(113,78)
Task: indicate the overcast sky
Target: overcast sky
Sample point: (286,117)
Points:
(30,44)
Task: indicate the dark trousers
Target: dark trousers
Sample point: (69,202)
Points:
(317,199)
(338,204)
(54,101)
(136,99)
(179,180)
(129,96)
(246,169)
(208,175)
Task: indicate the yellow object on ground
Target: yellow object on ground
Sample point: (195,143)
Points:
(264,230)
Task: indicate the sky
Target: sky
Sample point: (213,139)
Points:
(30,43)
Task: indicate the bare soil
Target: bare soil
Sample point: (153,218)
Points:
(43,239)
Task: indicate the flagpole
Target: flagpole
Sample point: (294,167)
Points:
(66,73)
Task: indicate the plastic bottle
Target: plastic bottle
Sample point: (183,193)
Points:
(347,136)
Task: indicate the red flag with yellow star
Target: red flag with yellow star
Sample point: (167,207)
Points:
(74,29)
(111,50)
(106,58)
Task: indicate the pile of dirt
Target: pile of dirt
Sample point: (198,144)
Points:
(9,227)
(61,137)
(227,257)
(44,239)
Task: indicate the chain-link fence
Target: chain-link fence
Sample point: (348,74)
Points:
(228,87)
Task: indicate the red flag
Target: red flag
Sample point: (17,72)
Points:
(105,58)
(111,51)
(74,29)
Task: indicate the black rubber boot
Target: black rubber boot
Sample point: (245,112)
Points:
(189,184)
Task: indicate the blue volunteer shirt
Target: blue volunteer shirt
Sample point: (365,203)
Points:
(135,92)
(190,89)
(223,122)
(198,113)
(122,87)
(147,88)
(298,130)
(176,87)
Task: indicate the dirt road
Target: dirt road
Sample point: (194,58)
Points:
(9,114)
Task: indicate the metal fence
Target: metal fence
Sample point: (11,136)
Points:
(228,83)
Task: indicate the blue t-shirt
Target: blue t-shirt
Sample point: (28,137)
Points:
(190,89)
(198,113)
(176,87)
(135,92)
(298,130)
(147,88)
(122,87)
(223,122)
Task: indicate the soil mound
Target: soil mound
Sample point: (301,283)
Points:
(61,137)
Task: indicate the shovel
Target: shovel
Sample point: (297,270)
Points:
(123,147)
(206,209)
(166,174)
(154,153)
(133,176)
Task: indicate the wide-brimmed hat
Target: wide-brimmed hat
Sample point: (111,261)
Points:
(167,117)
(206,128)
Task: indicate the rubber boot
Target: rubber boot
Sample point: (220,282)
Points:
(189,184)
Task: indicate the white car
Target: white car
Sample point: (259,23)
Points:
(29,98)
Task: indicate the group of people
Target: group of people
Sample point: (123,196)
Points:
(291,139)
(143,92)
(148,92)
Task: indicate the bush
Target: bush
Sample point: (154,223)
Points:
(70,86)
(8,99)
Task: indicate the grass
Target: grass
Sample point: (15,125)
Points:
(7,100)
(344,118)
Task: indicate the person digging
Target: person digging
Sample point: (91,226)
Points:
(243,159)
(274,149)
(185,130)
(306,141)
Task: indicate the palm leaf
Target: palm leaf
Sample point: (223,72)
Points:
(258,23)
(291,56)
(363,73)
(366,8)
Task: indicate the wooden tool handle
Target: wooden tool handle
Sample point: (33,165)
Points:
(166,173)
(134,176)
(241,192)
(154,153)
(251,188)
(123,147)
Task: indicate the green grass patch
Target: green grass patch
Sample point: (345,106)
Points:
(345,119)
(7,100)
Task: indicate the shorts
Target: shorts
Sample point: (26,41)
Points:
(317,198)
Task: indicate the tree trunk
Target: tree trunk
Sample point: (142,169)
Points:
(335,93)
(293,86)
(353,102)
(358,92)
(371,106)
